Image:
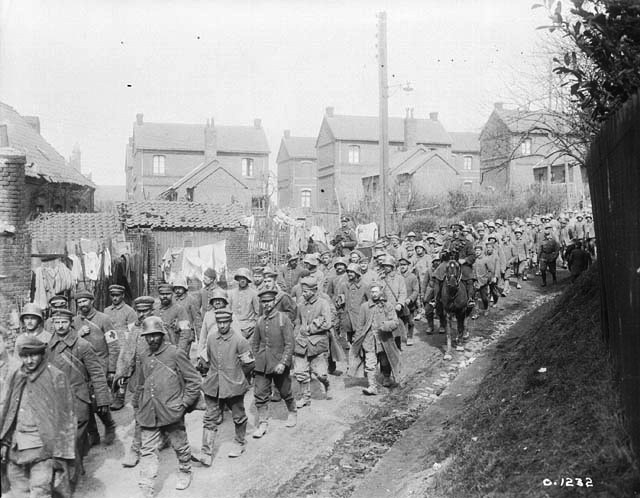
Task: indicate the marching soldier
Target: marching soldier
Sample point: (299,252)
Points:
(31,318)
(57,302)
(209,279)
(351,294)
(188,302)
(289,274)
(461,249)
(548,251)
(411,301)
(175,319)
(345,239)
(244,303)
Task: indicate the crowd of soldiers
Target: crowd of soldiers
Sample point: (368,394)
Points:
(205,349)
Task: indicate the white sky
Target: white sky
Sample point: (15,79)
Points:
(70,62)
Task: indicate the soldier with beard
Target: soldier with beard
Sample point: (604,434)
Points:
(175,319)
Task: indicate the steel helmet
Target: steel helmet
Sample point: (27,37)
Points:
(243,273)
(152,325)
(31,309)
(180,281)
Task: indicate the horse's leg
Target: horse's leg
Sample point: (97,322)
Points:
(447,355)
(460,316)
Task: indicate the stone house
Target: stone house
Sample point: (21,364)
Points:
(203,163)
(347,148)
(297,173)
(51,183)
(516,152)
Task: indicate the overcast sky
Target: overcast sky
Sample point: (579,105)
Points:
(87,67)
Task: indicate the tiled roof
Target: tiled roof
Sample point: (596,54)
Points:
(45,161)
(198,174)
(73,226)
(465,141)
(365,128)
(409,161)
(300,147)
(190,137)
(521,121)
(180,215)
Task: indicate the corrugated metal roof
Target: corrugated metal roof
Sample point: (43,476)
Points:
(47,163)
(365,128)
(73,226)
(465,141)
(180,215)
(190,137)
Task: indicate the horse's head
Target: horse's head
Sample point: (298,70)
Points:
(452,273)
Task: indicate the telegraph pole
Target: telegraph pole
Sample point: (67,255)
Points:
(383,141)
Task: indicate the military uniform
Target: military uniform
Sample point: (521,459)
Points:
(176,321)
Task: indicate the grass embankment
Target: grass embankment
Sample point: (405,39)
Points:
(524,425)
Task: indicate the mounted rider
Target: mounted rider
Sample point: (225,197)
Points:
(460,249)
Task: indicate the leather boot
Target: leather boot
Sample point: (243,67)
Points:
(184,480)
(131,459)
(305,400)
(261,422)
(239,442)
(118,402)
(292,419)
(206,452)
(372,389)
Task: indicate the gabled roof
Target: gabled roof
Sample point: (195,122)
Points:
(46,162)
(200,173)
(365,129)
(523,121)
(73,226)
(299,147)
(190,137)
(465,141)
(407,162)
(180,215)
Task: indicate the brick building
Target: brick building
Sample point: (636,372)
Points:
(195,162)
(51,183)
(347,148)
(465,158)
(176,224)
(297,173)
(517,152)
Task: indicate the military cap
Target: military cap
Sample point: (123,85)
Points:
(340,261)
(431,235)
(243,273)
(403,260)
(258,270)
(180,281)
(355,268)
(84,294)
(344,218)
(142,303)
(264,252)
(224,315)
(310,282)
(311,259)
(61,313)
(267,295)
(394,236)
(267,271)
(58,298)
(116,289)
(388,260)
(152,325)
(358,253)
(219,293)
(456,226)
(292,257)
(518,230)
(210,273)
(442,226)
(31,309)
(411,234)
(29,344)
(494,237)
(165,289)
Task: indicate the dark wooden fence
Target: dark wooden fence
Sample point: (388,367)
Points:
(614,178)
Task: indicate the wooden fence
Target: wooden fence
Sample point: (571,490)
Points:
(614,177)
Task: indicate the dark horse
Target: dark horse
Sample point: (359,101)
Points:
(454,300)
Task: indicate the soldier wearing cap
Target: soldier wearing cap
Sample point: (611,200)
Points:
(210,283)
(230,363)
(443,235)
(311,263)
(169,388)
(351,294)
(432,247)
(461,250)
(97,329)
(31,318)
(218,299)
(128,368)
(522,248)
(590,234)
(312,325)
(272,345)
(37,429)
(77,359)
(374,341)
(548,252)
(122,315)
(427,293)
(283,302)
(289,274)
(188,302)
(421,266)
(483,269)
(411,301)
(344,240)
(336,276)
(257,275)
(55,302)
(394,248)
(244,303)
(175,319)
(394,289)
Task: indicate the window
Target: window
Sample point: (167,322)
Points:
(257,202)
(468,185)
(467,162)
(305,198)
(526,147)
(247,167)
(354,154)
(158,165)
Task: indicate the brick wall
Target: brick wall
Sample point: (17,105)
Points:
(14,244)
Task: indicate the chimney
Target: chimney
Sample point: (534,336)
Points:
(410,130)
(287,133)
(33,121)
(139,119)
(74,159)
(210,142)
(433,116)
(257,123)
(329,112)
(498,106)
